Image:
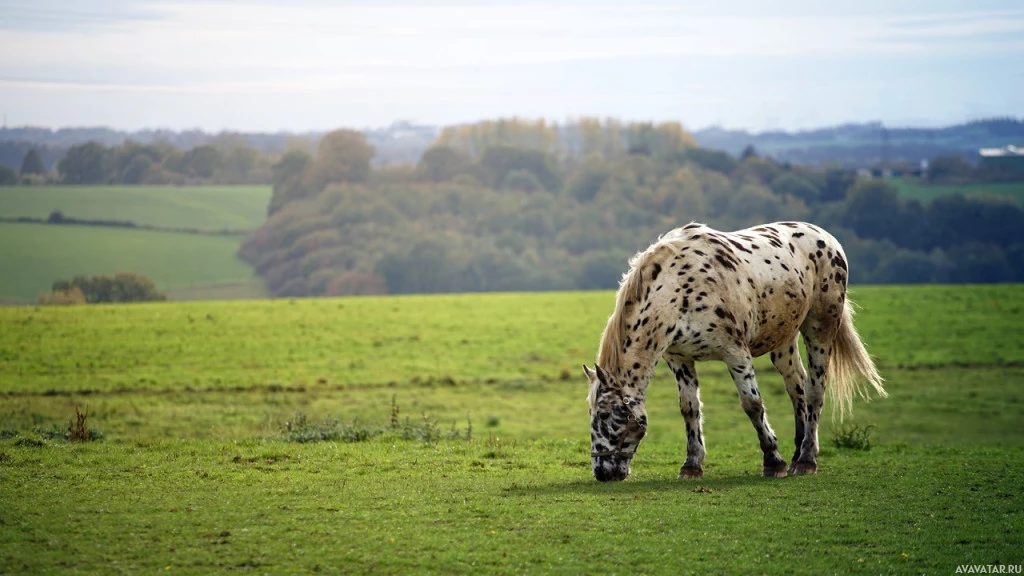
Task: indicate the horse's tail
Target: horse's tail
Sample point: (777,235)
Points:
(850,366)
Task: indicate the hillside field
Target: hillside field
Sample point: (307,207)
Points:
(912,188)
(195,472)
(201,207)
(186,266)
(35,255)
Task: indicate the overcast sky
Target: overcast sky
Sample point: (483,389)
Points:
(313,65)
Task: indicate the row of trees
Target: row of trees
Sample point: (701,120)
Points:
(516,206)
(227,160)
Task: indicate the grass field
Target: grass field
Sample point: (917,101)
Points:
(912,188)
(194,473)
(202,207)
(186,266)
(42,254)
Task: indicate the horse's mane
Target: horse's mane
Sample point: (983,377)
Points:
(631,292)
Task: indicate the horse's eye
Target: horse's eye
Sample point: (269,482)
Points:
(604,415)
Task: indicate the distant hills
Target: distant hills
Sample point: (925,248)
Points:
(865,145)
(850,145)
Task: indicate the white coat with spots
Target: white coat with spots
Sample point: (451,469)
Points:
(700,294)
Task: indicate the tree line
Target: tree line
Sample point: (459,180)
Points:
(517,205)
(226,160)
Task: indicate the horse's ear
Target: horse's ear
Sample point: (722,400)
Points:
(601,374)
(591,375)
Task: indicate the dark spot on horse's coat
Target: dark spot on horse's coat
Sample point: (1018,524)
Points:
(739,246)
(798,234)
(838,261)
(655,271)
(636,365)
(725,261)
(820,244)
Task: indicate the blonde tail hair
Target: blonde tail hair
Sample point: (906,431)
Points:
(850,367)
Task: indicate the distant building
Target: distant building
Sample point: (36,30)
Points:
(1009,158)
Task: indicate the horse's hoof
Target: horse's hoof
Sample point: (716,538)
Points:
(778,471)
(691,472)
(800,468)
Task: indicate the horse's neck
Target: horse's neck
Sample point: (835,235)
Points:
(635,370)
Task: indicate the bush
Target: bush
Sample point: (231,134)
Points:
(69,297)
(853,437)
(122,287)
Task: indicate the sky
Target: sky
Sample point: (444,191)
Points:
(264,65)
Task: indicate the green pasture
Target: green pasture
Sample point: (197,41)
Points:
(193,473)
(35,255)
(443,338)
(913,188)
(201,207)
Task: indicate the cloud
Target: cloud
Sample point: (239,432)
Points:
(412,55)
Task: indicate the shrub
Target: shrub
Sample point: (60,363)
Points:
(853,437)
(69,297)
(122,287)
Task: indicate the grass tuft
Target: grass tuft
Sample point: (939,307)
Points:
(78,428)
(852,436)
(303,430)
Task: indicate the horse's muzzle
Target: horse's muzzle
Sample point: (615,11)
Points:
(610,468)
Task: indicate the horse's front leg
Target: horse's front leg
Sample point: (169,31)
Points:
(741,367)
(690,408)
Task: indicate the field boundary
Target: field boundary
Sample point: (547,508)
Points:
(431,382)
(125,224)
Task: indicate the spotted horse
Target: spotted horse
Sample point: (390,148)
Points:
(701,294)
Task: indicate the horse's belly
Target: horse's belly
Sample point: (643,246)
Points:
(772,337)
(778,318)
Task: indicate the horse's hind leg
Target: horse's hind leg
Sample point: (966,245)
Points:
(741,367)
(689,407)
(818,337)
(786,359)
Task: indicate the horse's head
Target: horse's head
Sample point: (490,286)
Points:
(618,422)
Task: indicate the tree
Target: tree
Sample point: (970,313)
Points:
(32,164)
(8,177)
(796,186)
(521,180)
(85,164)
(341,156)
(498,161)
(442,163)
(588,178)
(202,161)
(136,171)
(950,170)
(838,182)
(873,209)
(290,166)
(711,159)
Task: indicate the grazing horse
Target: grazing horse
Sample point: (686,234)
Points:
(700,294)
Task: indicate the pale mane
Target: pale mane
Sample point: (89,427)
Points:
(631,289)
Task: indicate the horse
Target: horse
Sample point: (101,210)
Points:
(699,294)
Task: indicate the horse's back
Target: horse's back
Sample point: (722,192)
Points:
(757,287)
